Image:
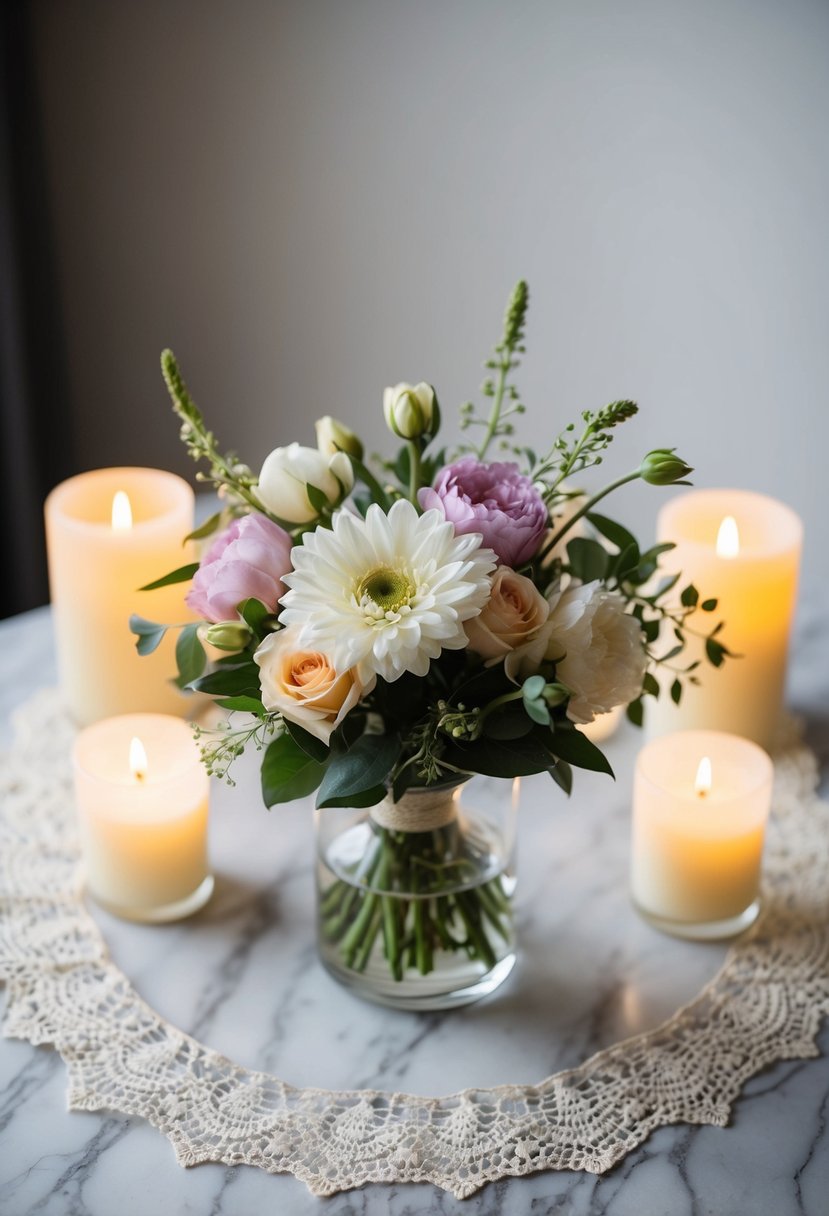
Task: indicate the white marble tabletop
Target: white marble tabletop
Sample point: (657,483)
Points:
(242,977)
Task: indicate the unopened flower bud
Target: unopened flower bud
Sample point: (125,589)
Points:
(662,468)
(411,411)
(334,436)
(228,635)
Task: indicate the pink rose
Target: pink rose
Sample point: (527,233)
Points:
(247,561)
(494,499)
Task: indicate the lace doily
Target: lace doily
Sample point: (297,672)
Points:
(766,1004)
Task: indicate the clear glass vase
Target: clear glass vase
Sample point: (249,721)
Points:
(415,897)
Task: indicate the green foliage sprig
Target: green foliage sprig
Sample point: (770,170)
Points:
(505,397)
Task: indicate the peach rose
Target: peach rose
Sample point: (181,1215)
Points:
(303,685)
(513,613)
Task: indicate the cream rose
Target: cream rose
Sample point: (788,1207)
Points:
(596,646)
(302,684)
(515,610)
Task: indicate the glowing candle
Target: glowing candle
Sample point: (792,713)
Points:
(142,801)
(108,533)
(700,804)
(743,550)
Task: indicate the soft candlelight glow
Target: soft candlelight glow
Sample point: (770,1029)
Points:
(143,830)
(728,538)
(703,782)
(751,573)
(109,532)
(696,850)
(138,759)
(121,512)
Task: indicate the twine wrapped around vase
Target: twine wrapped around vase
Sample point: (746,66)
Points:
(419,810)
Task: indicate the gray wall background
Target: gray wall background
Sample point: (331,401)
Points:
(311,200)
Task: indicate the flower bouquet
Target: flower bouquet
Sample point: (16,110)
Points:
(389,631)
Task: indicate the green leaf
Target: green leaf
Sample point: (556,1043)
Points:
(615,533)
(627,563)
(190,656)
(256,614)
(715,652)
(689,596)
(230,681)
(358,770)
(635,712)
(206,529)
(182,575)
(538,711)
(562,774)
(650,630)
(533,687)
(511,722)
(573,746)
(148,632)
(671,654)
(512,758)
(310,744)
(650,685)
(676,692)
(243,705)
(588,559)
(708,605)
(288,772)
(318,500)
(365,798)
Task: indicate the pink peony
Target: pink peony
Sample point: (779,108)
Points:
(493,499)
(247,561)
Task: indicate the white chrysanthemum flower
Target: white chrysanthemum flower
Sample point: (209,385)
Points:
(387,593)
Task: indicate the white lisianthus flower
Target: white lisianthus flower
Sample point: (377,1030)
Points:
(387,593)
(596,646)
(411,410)
(286,473)
(303,684)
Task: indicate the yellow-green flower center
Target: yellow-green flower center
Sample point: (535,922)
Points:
(388,589)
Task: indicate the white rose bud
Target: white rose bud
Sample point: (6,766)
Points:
(334,436)
(411,410)
(287,473)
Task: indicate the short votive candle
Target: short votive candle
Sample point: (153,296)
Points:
(142,800)
(700,804)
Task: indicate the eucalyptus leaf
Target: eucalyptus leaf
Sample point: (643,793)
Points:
(538,711)
(149,634)
(635,712)
(533,687)
(689,596)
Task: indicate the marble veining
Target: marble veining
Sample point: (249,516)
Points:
(243,978)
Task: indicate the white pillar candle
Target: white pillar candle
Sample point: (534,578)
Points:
(604,726)
(142,802)
(742,549)
(700,804)
(108,533)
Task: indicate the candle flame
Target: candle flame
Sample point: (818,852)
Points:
(702,785)
(728,538)
(138,759)
(121,512)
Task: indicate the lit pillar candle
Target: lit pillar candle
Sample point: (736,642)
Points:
(142,800)
(700,804)
(108,533)
(743,550)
